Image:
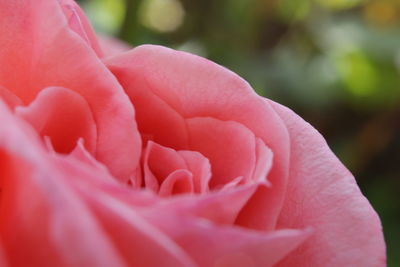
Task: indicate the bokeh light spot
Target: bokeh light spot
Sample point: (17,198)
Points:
(162,15)
(105,15)
(381,12)
(357,72)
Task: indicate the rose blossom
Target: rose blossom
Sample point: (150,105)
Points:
(154,157)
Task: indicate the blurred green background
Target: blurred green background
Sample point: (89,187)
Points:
(335,62)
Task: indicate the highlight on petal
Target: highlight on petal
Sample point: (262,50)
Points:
(64,116)
(42,53)
(323,194)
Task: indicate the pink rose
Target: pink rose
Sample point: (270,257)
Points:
(204,172)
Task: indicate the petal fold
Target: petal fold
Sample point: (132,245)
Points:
(62,115)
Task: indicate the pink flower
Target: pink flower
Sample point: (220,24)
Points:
(204,172)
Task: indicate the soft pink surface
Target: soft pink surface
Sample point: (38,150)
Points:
(168,172)
(323,194)
(62,115)
(78,22)
(174,93)
(205,101)
(215,175)
(41,50)
(69,211)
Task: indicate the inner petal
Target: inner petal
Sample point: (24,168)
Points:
(178,182)
(62,115)
(263,163)
(230,147)
(159,162)
(167,171)
(157,121)
(200,167)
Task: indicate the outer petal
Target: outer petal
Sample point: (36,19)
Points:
(58,212)
(115,207)
(139,242)
(195,87)
(323,194)
(220,207)
(78,22)
(42,222)
(3,258)
(211,245)
(179,232)
(9,98)
(38,50)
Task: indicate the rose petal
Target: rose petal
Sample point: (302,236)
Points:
(323,194)
(3,258)
(9,98)
(228,145)
(78,22)
(81,155)
(200,167)
(41,52)
(195,87)
(139,242)
(157,121)
(160,162)
(211,245)
(178,182)
(207,244)
(62,115)
(43,223)
(37,204)
(115,207)
(264,162)
(220,207)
